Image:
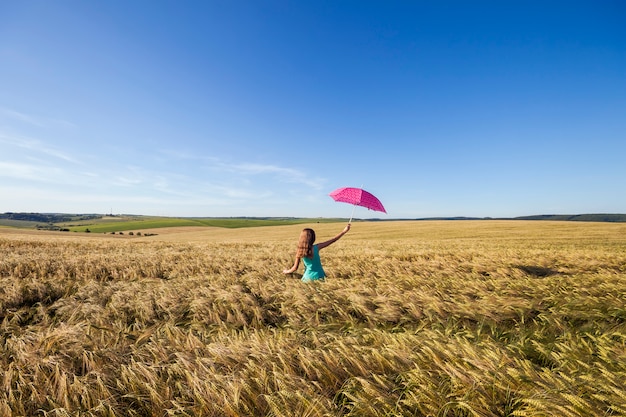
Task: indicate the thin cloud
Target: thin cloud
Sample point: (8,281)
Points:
(65,124)
(127,182)
(264,169)
(190,182)
(35,145)
(42,173)
(187,156)
(20,171)
(21,117)
(285,174)
(36,121)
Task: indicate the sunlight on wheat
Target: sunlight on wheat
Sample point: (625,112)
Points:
(415,319)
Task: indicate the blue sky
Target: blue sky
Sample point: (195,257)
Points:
(250,108)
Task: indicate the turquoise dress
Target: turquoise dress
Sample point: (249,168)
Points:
(313,270)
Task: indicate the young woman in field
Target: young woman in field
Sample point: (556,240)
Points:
(309,253)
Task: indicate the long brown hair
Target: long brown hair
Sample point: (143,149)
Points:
(305,244)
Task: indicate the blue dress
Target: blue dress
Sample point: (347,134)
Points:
(313,270)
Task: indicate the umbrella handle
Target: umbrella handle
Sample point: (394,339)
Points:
(353,207)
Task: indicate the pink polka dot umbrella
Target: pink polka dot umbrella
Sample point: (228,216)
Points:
(357,197)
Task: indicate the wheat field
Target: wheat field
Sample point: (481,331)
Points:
(437,318)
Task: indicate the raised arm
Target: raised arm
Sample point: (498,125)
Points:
(336,238)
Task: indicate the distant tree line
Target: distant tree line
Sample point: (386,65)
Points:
(47,217)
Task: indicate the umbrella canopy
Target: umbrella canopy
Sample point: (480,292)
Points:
(358,197)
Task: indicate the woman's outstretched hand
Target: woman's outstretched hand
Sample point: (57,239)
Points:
(347,228)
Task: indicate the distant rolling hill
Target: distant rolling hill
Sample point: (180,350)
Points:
(578,217)
(98,222)
(611,218)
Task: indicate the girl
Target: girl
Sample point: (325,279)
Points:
(310,255)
